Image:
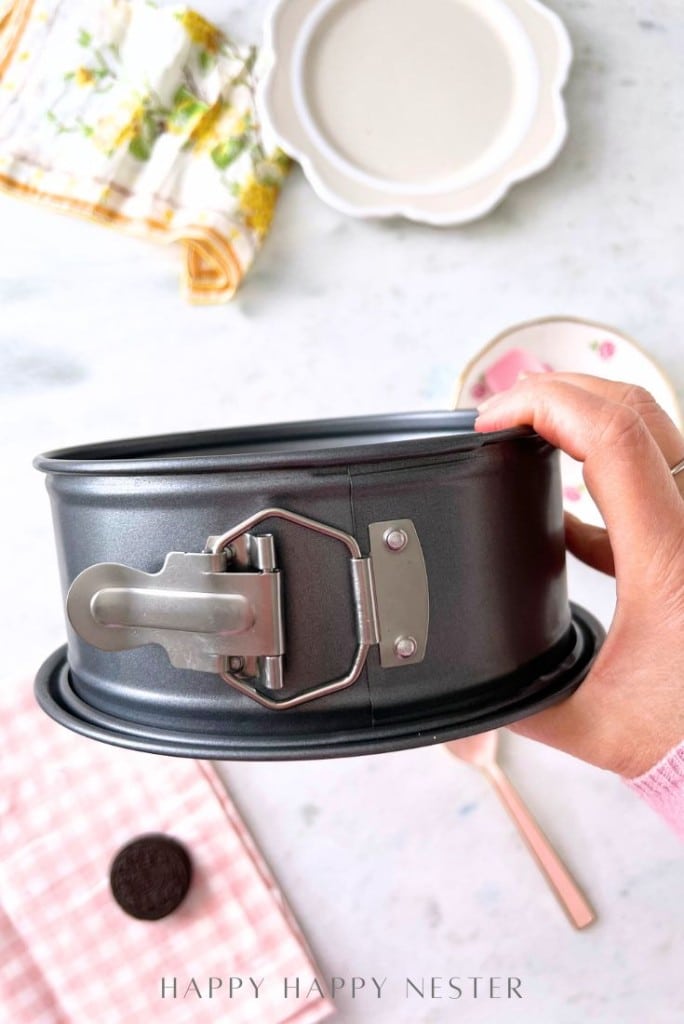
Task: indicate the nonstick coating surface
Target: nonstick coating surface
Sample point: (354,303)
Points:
(56,697)
(279,445)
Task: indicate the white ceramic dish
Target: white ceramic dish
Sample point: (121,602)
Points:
(565,344)
(426,108)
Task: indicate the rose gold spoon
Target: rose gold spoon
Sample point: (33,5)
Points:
(480,751)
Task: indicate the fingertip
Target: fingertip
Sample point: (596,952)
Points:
(484,424)
(494,416)
(486,403)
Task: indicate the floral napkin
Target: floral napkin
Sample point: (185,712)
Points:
(143,118)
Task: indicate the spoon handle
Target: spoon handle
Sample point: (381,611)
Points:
(566,890)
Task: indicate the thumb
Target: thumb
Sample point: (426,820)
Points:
(590,544)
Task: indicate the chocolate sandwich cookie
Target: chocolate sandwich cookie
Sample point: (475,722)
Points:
(150,876)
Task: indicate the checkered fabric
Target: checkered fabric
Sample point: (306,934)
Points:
(69,954)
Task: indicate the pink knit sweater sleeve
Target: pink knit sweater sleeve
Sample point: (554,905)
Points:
(663,788)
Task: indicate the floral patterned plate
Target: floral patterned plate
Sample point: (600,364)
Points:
(567,344)
(430,109)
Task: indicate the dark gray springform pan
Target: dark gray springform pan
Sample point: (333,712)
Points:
(311,589)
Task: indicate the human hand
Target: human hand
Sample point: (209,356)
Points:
(629,711)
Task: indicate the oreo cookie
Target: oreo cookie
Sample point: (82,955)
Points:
(150,876)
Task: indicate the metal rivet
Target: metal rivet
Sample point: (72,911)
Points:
(405,646)
(236,664)
(396,540)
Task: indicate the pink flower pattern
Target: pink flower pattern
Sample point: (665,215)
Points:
(479,389)
(605,348)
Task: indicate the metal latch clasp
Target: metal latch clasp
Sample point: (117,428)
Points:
(197,610)
(221,610)
(364,604)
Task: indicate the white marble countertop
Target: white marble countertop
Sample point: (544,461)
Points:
(401,864)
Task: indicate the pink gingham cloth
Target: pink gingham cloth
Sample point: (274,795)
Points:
(68,953)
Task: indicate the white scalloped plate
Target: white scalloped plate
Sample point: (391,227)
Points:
(570,345)
(430,109)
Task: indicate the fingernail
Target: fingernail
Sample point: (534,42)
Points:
(491,401)
(487,402)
